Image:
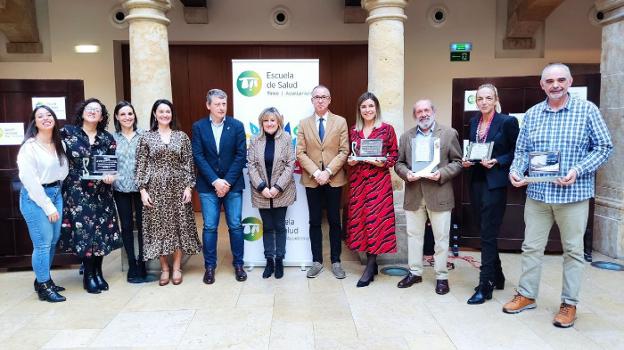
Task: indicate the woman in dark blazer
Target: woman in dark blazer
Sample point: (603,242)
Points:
(488,184)
(271,161)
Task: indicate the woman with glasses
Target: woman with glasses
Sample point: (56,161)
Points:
(271,160)
(89,228)
(42,167)
(165,175)
(488,184)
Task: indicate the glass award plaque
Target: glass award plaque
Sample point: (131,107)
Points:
(476,151)
(98,166)
(543,166)
(425,155)
(370,149)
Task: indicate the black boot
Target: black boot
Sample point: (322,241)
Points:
(483,293)
(500,280)
(54,286)
(88,276)
(269,268)
(133,272)
(99,278)
(46,292)
(279,268)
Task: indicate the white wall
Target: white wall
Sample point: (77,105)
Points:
(569,37)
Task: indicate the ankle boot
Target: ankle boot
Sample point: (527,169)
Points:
(46,292)
(483,293)
(99,278)
(279,268)
(88,278)
(133,272)
(269,268)
(500,280)
(54,286)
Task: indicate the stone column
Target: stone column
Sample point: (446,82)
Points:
(386,51)
(609,209)
(150,75)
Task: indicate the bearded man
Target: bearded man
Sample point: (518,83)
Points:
(428,196)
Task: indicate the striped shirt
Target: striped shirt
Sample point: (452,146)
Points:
(579,133)
(126,161)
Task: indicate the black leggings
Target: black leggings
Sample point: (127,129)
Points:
(125,202)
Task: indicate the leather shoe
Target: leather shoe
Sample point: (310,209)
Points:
(209,275)
(240,273)
(483,293)
(409,280)
(442,287)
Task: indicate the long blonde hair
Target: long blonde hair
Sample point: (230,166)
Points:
(490,86)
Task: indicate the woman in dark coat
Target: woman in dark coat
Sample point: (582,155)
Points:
(488,185)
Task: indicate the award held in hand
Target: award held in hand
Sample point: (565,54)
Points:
(543,166)
(477,151)
(425,155)
(98,166)
(370,149)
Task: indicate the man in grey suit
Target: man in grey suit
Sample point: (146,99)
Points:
(428,196)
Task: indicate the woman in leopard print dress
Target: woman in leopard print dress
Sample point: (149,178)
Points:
(165,176)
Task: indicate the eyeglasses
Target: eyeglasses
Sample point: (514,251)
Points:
(319,98)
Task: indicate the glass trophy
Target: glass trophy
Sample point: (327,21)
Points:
(425,155)
(370,149)
(477,151)
(544,166)
(98,166)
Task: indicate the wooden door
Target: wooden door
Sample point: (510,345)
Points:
(517,94)
(15,107)
(197,68)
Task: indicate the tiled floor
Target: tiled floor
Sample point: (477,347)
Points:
(300,313)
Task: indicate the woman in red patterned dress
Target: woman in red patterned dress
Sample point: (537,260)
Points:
(370,221)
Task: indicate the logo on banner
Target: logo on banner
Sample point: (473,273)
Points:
(249,83)
(252,228)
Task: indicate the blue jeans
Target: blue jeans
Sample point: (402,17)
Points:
(211,211)
(43,233)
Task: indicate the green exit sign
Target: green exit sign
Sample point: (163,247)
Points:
(460,56)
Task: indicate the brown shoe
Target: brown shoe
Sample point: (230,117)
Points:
(518,304)
(566,316)
(409,280)
(164,278)
(442,287)
(209,275)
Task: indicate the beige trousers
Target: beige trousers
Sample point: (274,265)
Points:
(571,218)
(440,224)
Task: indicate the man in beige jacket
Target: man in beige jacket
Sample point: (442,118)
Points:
(430,195)
(322,150)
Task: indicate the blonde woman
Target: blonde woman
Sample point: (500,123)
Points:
(270,160)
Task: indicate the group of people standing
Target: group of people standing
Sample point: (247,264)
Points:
(159,168)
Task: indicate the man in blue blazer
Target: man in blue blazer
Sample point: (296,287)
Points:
(220,153)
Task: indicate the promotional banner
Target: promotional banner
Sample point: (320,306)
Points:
(287,86)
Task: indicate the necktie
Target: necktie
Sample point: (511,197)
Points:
(321,129)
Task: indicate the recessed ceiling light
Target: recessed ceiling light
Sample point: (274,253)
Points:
(87,48)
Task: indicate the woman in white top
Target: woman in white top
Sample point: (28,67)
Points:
(42,167)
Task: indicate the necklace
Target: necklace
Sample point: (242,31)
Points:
(482,133)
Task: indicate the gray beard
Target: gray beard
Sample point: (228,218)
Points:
(426,124)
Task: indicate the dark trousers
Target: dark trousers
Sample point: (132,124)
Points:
(489,208)
(329,198)
(126,201)
(274,232)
